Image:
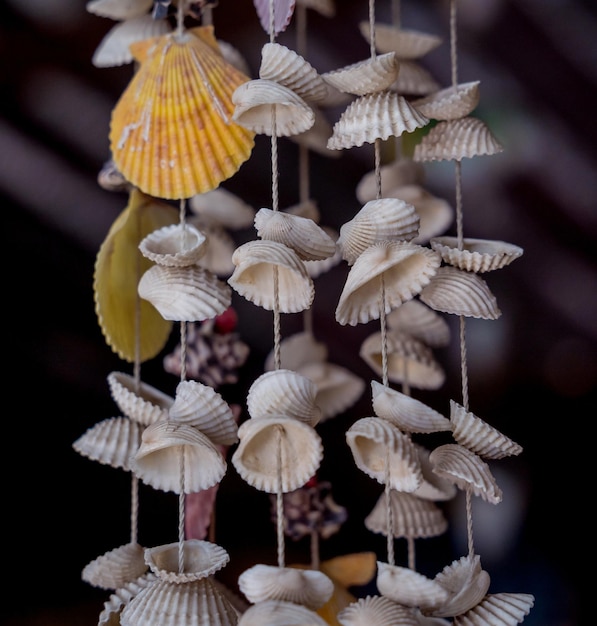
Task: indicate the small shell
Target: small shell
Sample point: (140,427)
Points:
(414,80)
(310,588)
(455,291)
(407,44)
(433,487)
(272,612)
(174,246)
(476,255)
(185,294)
(498,609)
(450,103)
(138,400)
(297,350)
(365,77)
(405,269)
(454,140)
(110,615)
(163,446)
(466,470)
(200,559)
(253,277)
(419,321)
(478,436)
(377,610)
(396,173)
(119,9)
(265,440)
(116,568)
(407,587)
(375,443)
(223,208)
(386,219)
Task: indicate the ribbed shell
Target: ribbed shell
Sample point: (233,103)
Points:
(420,322)
(365,77)
(200,559)
(407,44)
(476,255)
(110,614)
(138,400)
(280,613)
(174,246)
(433,487)
(396,173)
(450,103)
(377,610)
(221,207)
(498,609)
(116,568)
(407,587)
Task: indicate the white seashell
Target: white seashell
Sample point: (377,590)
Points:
(221,207)
(219,250)
(327,8)
(307,208)
(478,436)
(476,255)
(414,80)
(498,609)
(450,103)
(279,613)
(317,268)
(419,321)
(405,268)
(165,445)
(277,453)
(376,610)
(253,277)
(407,44)
(407,587)
(138,400)
(119,9)
(185,294)
(466,470)
(111,442)
(200,559)
(116,568)
(385,219)
(317,136)
(177,245)
(365,77)
(297,350)
(396,173)
(310,588)
(455,291)
(384,453)
(110,614)
(432,487)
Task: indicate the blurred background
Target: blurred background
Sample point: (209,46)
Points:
(532,372)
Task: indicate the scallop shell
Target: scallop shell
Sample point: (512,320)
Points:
(386,219)
(455,291)
(182,89)
(255,101)
(409,588)
(277,453)
(116,568)
(309,588)
(453,140)
(110,614)
(283,11)
(253,277)
(396,173)
(476,255)
(220,248)
(199,405)
(414,80)
(316,137)
(450,103)
(185,294)
(284,66)
(432,487)
(478,436)
(377,610)
(327,8)
(303,235)
(110,442)
(376,116)
(405,269)
(408,360)
(375,443)
(467,470)
(407,44)
(200,559)
(138,400)
(178,245)
(277,612)
(220,207)
(498,609)
(365,77)
(297,350)
(119,9)
(317,268)
(164,445)
(420,322)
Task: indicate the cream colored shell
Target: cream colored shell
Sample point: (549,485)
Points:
(450,103)
(433,487)
(220,248)
(138,400)
(414,80)
(407,44)
(476,255)
(398,172)
(221,207)
(119,9)
(498,609)
(280,613)
(177,245)
(199,559)
(297,350)
(377,610)
(117,567)
(110,614)
(409,588)
(416,319)
(365,77)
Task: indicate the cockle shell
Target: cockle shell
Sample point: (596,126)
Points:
(385,219)
(377,610)
(407,44)
(476,255)
(404,269)
(310,588)
(384,453)
(119,9)
(414,80)
(178,245)
(220,207)
(138,400)
(365,77)
(283,10)
(253,277)
(317,268)
(409,588)
(375,116)
(110,614)
(303,235)
(185,294)
(200,559)
(280,613)
(478,436)
(398,172)
(467,470)
(326,8)
(450,103)
(456,291)
(297,350)
(277,453)
(419,321)
(165,445)
(182,89)
(117,567)
(498,609)
(432,487)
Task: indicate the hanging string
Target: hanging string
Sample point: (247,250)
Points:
(469,524)
(463,365)
(180,18)
(206,16)
(372,27)
(383,330)
(181,512)
(410,542)
(280,500)
(389,510)
(453,43)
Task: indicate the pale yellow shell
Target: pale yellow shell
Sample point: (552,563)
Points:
(110,614)
(476,255)
(419,321)
(119,9)
(450,103)
(414,80)
(398,172)
(406,586)
(177,245)
(407,44)
(365,77)
(280,613)
(498,609)
(433,487)
(138,400)
(200,559)
(297,350)
(220,207)
(115,568)
(377,610)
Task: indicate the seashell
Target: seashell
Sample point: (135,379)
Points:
(310,588)
(397,173)
(420,322)
(450,103)
(453,140)
(384,453)
(256,262)
(384,219)
(478,436)
(297,350)
(498,609)
(277,453)
(178,245)
(119,9)
(405,412)
(365,77)
(283,392)
(307,209)
(219,250)
(164,445)
(283,11)
(475,255)
(199,405)
(234,57)
(409,588)
(260,102)
(407,44)
(376,116)
(412,517)
(317,268)
(121,597)
(414,80)
(432,487)
(377,610)
(138,400)
(303,235)
(185,294)
(455,291)
(403,269)
(220,207)
(171,132)
(327,8)
(274,612)
(408,360)
(285,67)
(110,442)
(116,568)
(316,137)
(466,470)
(199,559)
(110,179)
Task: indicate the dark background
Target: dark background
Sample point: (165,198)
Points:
(532,372)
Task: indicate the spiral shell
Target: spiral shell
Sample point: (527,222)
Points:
(396,173)
(114,569)
(200,559)
(420,322)
(498,609)
(174,246)
(377,610)
(407,587)
(280,612)
(365,77)
(220,207)
(407,44)
(138,400)
(476,255)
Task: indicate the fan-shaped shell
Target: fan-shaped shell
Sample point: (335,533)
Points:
(138,400)
(365,77)
(110,614)
(396,173)
(432,487)
(280,612)
(283,10)
(200,559)
(498,609)
(178,245)
(119,9)
(414,80)
(297,350)
(476,255)
(419,321)
(220,207)
(317,268)
(450,103)
(407,44)
(115,568)
(377,610)
(407,587)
